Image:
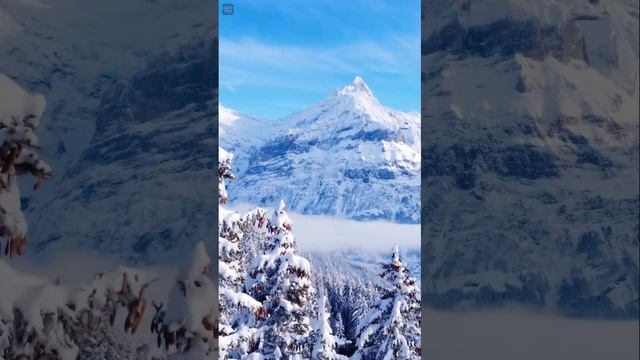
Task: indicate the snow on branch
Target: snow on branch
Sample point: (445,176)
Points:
(20,114)
(40,318)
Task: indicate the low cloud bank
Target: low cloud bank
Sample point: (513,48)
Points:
(326,233)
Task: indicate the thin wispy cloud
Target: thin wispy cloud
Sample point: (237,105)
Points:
(364,56)
(283,53)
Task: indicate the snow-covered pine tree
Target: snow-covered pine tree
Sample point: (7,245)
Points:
(254,229)
(336,323)
(20,114)
(324,341)
(95,332)
(333,287)
(224,172)
(186,328)
(391,330)
(280,279)
(350,297)
(237,309)
(42,319)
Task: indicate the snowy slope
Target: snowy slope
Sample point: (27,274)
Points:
(530,168)
(241,133)
(129,123)
(238,130)
(362,263)
(347,155)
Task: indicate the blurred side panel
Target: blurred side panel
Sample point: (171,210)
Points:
(530,179)
(108,147)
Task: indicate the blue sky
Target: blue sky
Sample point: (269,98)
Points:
(280,56)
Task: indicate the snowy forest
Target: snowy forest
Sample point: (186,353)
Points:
(273,306)
(272,303)
(46,319)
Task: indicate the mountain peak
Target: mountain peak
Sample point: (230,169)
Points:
(358,86)
(359,82)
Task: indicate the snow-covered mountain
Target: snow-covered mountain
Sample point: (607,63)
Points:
(237,130)
(129,127)
(530,155)
(347,155)
(239,133)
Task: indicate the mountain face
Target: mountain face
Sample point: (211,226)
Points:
(129,127)
(346,156)
(530,155)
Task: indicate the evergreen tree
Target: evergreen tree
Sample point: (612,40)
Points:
(186,328)
(335,297)
(350,298)
(391,330)
(280,279)
(337,324)
(20,114)
(237,309)
(40,319)
(224,172)
(101,342)
(325,342)
(254,229)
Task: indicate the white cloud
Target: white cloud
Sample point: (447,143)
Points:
(249,61)
(326,233)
